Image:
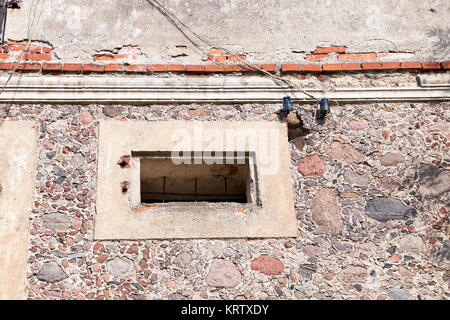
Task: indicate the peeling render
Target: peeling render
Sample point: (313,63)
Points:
(266,30)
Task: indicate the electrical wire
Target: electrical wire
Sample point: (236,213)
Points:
(31,31)
(172,17)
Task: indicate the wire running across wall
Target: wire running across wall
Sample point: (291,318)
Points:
(180,25)
(32,26)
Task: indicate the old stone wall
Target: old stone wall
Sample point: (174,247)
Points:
(371,194)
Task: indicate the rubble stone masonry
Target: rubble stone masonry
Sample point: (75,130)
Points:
(371,197)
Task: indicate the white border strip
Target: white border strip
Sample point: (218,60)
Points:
(193,90)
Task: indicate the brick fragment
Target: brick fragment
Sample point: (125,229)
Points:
(358,56)
(29,67)
(114,67)
(236,58)
(269,67)
(371,66)
(156,68)
(351,66)
(34,49)
(290,67)
(322,50)
(51,66)
(216,51)
(135,68)
(315,57)
(91,67)
(431,65)
(410,65)
(72,67)
(390,65)
(37,56)
(103,57)
(232,68)
(195,68)
(175,68)
(311,67)
(247,68)
(6,66)
(214,68)
(332,67)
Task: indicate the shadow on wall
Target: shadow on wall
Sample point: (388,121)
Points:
(441,43)
(433,180)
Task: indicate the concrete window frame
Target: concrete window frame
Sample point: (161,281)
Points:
(120,215)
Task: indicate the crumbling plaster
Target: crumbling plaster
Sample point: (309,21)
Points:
(269,30)
(17,143)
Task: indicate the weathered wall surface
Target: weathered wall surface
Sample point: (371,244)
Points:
(17,142)
(370,196)
(269,30)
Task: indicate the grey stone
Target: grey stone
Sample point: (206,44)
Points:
(112,111)
(77,161)
(228,252)
(58,125)
(398,294)
(412,243)
(137,286)
(301,287)
(445,251)
(278,291)
(433,182)
(355,178)
(353,274)
(51,272)
(76,255)
(223,273)
(307,270)
(391,159)
(59,172)
(51,154)
(121,267)
(60,180)
(177,296)
(384,208)
(183,259)
(56,221)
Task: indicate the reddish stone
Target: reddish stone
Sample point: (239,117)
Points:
(311,166)
(143,264)
(98,247)
(358,125)
(133,249)
(85,117)
(267,265)
(395,258)
(102,258)
(202,112)
(329,276)
(343,152)
(48,144)
(223,273)
(389,183)
(326,212)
